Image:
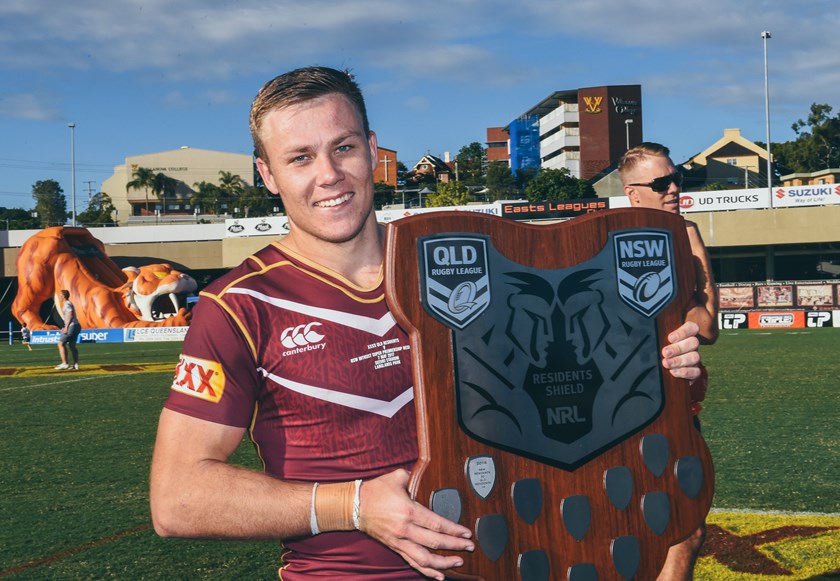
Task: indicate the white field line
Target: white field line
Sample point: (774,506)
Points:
(52,383)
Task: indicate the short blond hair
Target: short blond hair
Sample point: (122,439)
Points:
(633,157)
(302,85)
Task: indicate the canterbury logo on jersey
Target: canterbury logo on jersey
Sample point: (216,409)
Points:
(302,338)
(199,378)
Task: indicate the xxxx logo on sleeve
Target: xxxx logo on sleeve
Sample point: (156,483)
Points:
(199,378)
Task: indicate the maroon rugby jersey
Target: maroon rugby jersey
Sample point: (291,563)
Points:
(324,372)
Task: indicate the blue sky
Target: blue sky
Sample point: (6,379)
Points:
(141,76)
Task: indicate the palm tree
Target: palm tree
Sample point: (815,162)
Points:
(164,186)
(144,178)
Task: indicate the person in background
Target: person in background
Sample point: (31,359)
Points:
(25,336)
(69,333)
(288,346)
(652,181)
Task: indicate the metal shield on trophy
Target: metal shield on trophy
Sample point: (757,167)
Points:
(545,421)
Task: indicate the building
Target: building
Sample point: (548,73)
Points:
(583,130)
(386,168)
(431,165)
(731,161)
(186,165)
(816,178)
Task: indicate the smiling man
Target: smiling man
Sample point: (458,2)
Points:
(291,347)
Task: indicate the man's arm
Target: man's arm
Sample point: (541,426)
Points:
(196,493)
(705,312)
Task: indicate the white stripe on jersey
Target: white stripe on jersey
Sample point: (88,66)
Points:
(378,327)
(357,402)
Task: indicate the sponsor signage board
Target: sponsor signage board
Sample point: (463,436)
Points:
(731,321)
(717,201)
(777,319)
(391,214)
(546,210)
(149,334)
(820,319)
(268,226)
(798,196)
(86,336)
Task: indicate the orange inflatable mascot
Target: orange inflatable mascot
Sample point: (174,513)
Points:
(104,295)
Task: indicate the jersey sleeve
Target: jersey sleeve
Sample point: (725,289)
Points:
(216,378)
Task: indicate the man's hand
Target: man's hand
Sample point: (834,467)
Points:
(390,516)
(681,357)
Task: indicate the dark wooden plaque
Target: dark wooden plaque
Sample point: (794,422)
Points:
(545,421)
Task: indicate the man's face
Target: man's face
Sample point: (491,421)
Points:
(321,164)
(646,171)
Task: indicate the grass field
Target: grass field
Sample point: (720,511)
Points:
(75,450)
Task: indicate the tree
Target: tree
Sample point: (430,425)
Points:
(448,194)
(524,175)
(231,184)
(383,194)
(557,185)
(206,197)
(470,164)
(99,211)
(258,201)
(816,147)
(143,179)
(500,181)
(164,187)
(50,203)
(18,219)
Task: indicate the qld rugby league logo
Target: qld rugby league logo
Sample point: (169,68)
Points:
(455,278)
(645,269)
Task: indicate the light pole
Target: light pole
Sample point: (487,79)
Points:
(72,127)
(765,35)
(627,123)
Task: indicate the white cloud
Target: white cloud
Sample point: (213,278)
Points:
(28,106)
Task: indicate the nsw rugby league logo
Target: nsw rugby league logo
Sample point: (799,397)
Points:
(455,278)
(645,269)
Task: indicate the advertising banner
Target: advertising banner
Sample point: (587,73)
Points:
(268,226)
(814,295)
(820,319)
(86,336)
(45,337)
(736,297)
(385,216)
(143,334)
(731,321)
(774,296)
(545,210)
(798,196)
(717,201)
(777,320)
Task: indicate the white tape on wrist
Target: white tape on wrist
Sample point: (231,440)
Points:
(357,505)
(313,518)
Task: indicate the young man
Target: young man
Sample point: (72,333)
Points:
(652,181)
(69,333)
(286,346)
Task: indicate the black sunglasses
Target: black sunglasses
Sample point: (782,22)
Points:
(661,185)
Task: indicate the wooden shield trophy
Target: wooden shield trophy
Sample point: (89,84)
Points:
(546,423)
